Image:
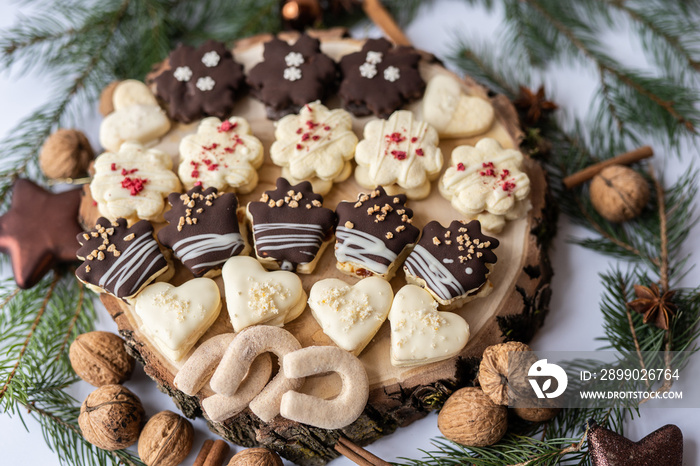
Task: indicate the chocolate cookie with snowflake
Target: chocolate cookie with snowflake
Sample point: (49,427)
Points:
(200,82)
(291,76)
(380,78)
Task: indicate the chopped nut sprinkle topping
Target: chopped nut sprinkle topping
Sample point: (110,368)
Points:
(129,237)
(349,224)
(436,241)
(389,235)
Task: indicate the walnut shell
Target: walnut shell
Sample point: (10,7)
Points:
(256,457)
(111,417)
(470,418)
(99,358)
(619,193)
(165,440)
(493,372)
(536,414)
(106,106)
(66,154)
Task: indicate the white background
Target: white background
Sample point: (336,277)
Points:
(574,322)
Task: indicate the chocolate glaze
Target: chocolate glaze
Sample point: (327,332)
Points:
(290,223)
(381,216)
(118,259)
(38,231)
(202,229)
(282,96)
(461,249)
(186,102)
(362,95)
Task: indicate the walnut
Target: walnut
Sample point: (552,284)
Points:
(619,193)
(111,417)
(66,154)
(106,106)
(470,418)
(256,457)
(536,414)
(166,439)
(99,358)
(494,376)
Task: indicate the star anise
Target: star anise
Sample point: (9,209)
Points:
(657,308)
(534,104)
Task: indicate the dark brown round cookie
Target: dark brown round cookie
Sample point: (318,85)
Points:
(373,231)
(200,82)
(203,229)
(290,224)
(380,78)
(291,76)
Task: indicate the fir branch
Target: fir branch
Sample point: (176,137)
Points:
(71,327)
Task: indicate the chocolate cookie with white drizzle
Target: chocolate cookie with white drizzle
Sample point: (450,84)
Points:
(203,230)
(452,263)
(374,234)
(291,228)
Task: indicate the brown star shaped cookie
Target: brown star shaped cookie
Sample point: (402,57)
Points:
(39,230)
(663,446)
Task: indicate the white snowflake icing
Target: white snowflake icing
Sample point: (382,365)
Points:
(211,59)
(292,73)
(374,57)
(368,70)
(205,84)
(391,74)
(183,73)
(294,59)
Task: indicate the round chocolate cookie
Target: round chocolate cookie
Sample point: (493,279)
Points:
(203,229)
(200,82)
(291,227)
(291,76)
(380,78)
(373,232)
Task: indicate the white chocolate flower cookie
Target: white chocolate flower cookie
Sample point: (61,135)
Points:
(486,182)
(222,155)
(316,145)
(453,113)
(400,151)
(136,117)
(133,183)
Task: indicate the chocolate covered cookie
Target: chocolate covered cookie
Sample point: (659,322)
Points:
(291,228)
(374,234)
(380,78)
(200,82)
(119,260)
(203,230)
(292,75)
(452,263)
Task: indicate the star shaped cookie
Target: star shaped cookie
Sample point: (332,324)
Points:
(39,230)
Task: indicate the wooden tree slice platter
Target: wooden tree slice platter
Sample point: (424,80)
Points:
(398,396)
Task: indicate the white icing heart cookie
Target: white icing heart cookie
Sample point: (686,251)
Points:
(351,315)
(222,155)
(452,113)
(399,151)
(420,334)
(316,145)
(136,117)
(133,183)
(174,318)
(256,296)
(487,182)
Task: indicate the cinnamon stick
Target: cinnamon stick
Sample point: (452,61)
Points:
(358,454)
(212,453)
(627,158)
(378,14)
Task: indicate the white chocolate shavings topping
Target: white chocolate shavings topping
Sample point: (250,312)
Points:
(167,301)
(350,309)
(183,73)
(211,59)
(205,83)
(292,74)
(294,59)
(392,74)
(261,297)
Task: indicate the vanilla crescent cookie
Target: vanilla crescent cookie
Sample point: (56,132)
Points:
(486,182)
(316,144)
(453,113)
(399,151)
(351,315)
(174,318)
(133,183)
(420,334)
(223,155)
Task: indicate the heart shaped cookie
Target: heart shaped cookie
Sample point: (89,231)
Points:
(256,296)
(351,315)
(420,334)
(175,317)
